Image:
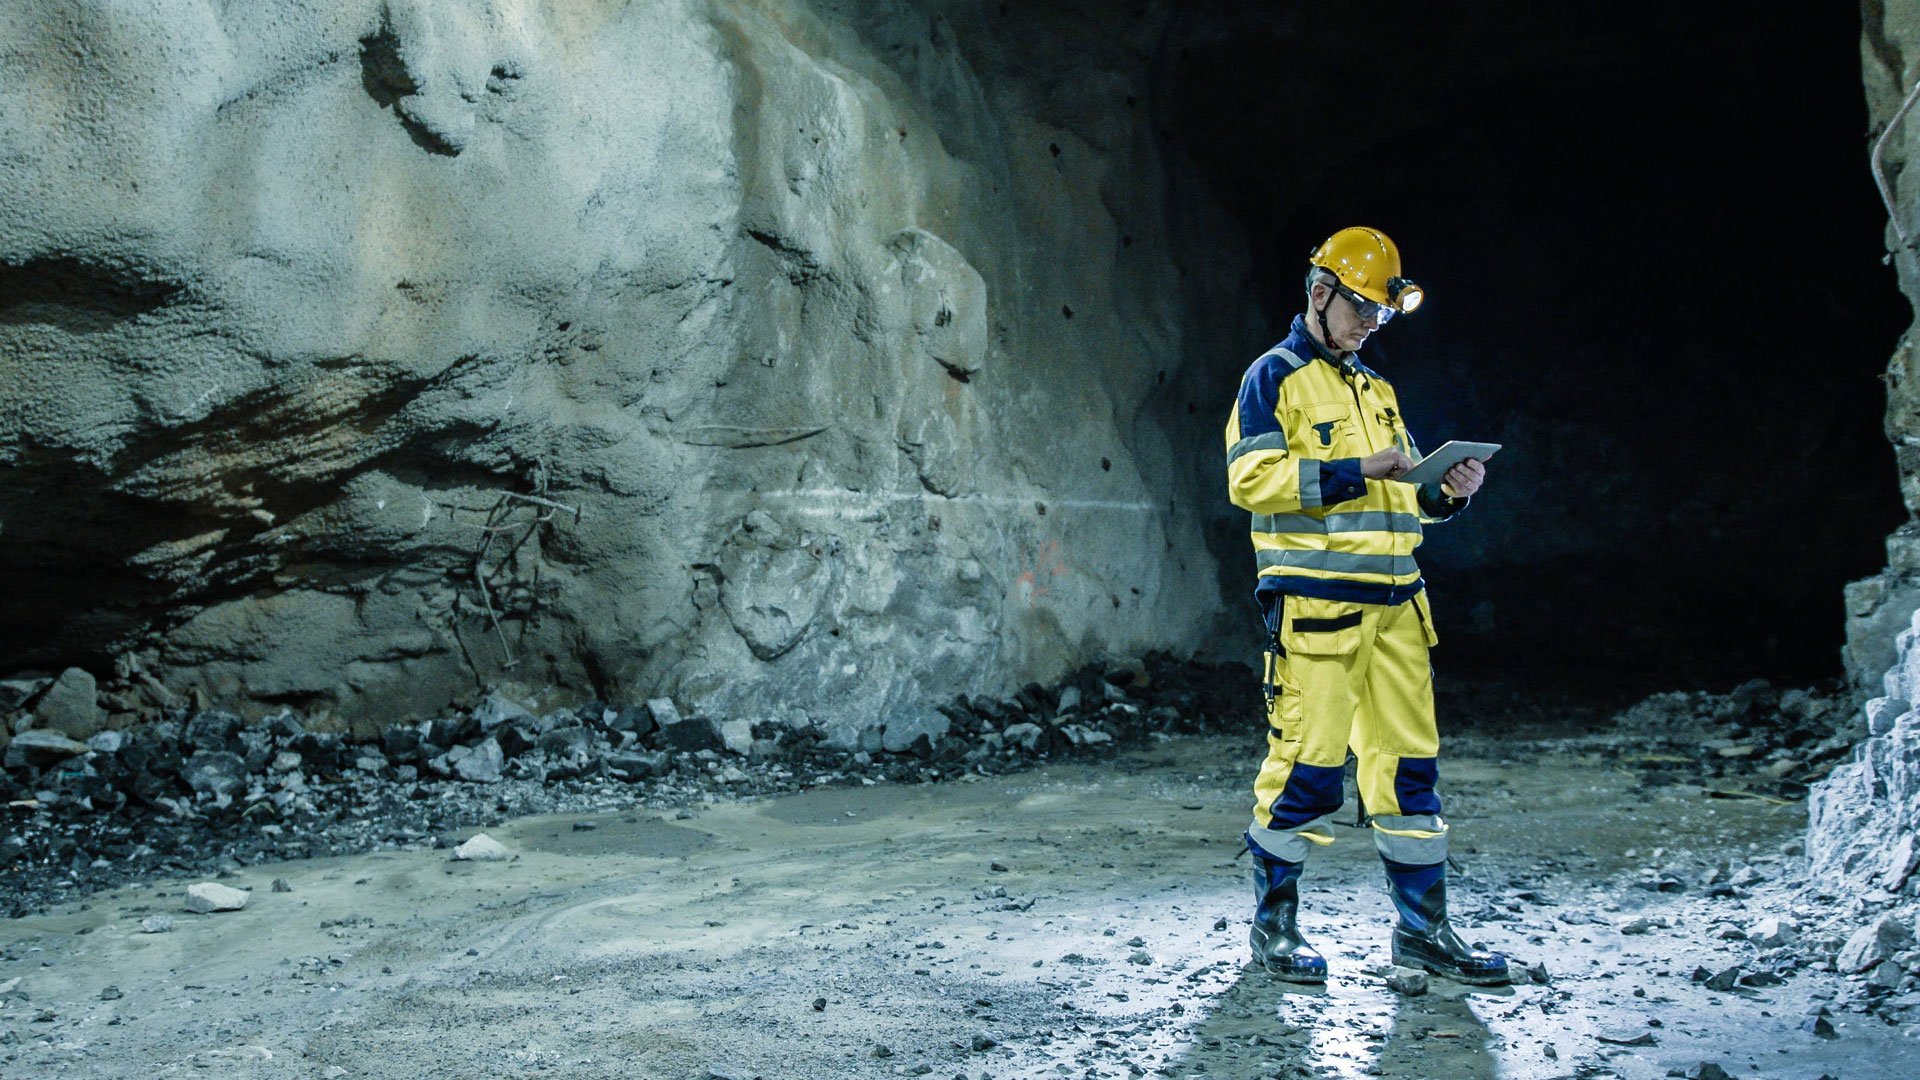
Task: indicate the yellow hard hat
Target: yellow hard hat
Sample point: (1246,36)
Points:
(1368,263)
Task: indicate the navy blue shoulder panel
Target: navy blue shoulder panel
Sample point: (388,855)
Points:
(1260,392)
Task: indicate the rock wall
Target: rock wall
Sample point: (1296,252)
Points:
(1878,608)
(1861,835)
(793,360)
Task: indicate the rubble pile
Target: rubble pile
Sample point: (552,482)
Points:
(1753,740)
(196,792)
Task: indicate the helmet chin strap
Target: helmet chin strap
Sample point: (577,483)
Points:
(1326,335)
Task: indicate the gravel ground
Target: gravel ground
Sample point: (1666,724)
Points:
(1070,919)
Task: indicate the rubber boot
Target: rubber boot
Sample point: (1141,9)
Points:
(1277,944)
(1424,938)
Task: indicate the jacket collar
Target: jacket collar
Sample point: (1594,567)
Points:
(1301,343)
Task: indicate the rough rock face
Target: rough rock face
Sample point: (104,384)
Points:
(1878,607)
(357,354)
(1862,819)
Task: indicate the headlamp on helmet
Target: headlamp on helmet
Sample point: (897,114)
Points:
(1404,295)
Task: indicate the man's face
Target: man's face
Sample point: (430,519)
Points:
(1344,324)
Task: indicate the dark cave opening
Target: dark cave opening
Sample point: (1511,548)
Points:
(1653,248)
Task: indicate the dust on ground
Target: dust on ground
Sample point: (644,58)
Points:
(1083,920)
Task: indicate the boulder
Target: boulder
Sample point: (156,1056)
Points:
(638,765)
(915,733)
(71,706)
(480,848)
(1874,943)
(215,772)
(497,709)
(41,749)
(479,764)
(737,736)
(208,896)
(692,735)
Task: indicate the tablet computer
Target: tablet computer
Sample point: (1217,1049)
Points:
(1434,466)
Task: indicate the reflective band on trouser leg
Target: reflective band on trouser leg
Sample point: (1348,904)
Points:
(1414,839)
(1291,845)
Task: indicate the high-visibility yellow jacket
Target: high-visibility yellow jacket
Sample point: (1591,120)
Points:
(1301,424)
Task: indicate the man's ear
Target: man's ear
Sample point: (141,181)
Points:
(1317,296)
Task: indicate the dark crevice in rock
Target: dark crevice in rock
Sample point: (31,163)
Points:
(79,296)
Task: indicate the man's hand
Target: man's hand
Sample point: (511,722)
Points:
(1464,479)
(1386,465)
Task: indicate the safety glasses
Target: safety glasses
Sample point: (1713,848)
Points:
(1377,314)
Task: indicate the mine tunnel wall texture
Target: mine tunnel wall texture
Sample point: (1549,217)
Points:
(1863,820)
(1880,607)
(839,326)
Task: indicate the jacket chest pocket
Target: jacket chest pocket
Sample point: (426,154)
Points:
(1328,426)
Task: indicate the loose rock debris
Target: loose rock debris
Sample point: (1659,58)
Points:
(206,792)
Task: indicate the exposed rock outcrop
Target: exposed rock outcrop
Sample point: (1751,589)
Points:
(356,355)
(1863,818)
(1878,608)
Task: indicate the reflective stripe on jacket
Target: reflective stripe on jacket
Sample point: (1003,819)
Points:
(1298,430)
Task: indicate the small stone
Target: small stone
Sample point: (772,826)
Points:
(1140,957)
(1640,925)
(1771,933)
(1708,1070)
(1724,980)
(819,1004)
(1628,1038)
(1820,1025)
(997,868)
(1407,982)
(1219,924)
(1745,876)
(584,826)
(208,896)
(480,848)
(882,1050)
(156,924)
(1538,973)
(983,1041)
(111,993)
(281,884)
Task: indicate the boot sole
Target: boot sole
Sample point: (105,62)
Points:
(1503,979)
(1295,977)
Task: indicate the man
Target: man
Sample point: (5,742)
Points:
(1314,449)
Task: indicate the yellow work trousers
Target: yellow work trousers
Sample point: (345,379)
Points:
(1353,675)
